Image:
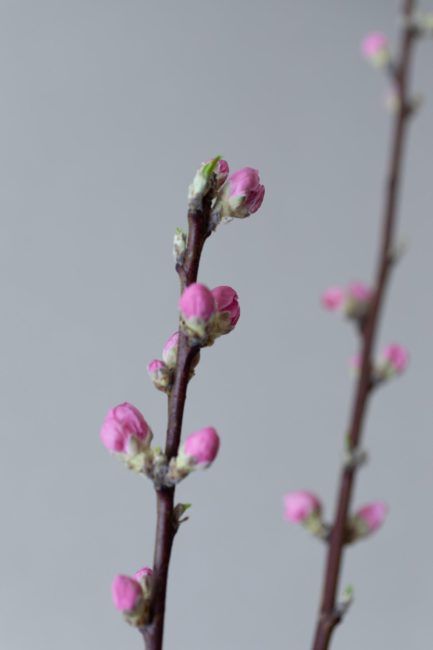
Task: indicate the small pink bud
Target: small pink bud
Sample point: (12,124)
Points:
(375,48)
(227,304)
(357,300)
(354,301)
(359,292)
(300,506)
(123,424)
(201,447)
(160,375)
(371,517)
(333,298)
(221,172)
(169,351)
(244,194)
(396,357)
(127,594)
(143,573)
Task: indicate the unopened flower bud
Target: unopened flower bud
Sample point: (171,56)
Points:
(202,182)
(300,506)
(228,310)
(357,300)
(368,519)
(127,594)
(179,245)
(375,48)
(125,430)
(243,194)
(354,301)
(169,351)
(199,450)
(144,578)
(332,299)
(197,307)
(393,361)
(142,573)
(221,172)
(160,375)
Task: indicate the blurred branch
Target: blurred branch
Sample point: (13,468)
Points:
(328,615)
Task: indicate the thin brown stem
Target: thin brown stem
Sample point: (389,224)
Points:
(328,615)
(166,527)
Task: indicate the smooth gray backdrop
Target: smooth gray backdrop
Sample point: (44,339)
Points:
(107,108)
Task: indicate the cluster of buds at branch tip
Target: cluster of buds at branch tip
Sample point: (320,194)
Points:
(305,508)
(353,301)
(236,196)
(375,48)
(367,520)
(392,362)
(206,314)
(131,596)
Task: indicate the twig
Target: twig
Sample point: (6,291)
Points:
(328,618)
(167,525)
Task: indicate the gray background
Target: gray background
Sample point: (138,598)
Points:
(107,108)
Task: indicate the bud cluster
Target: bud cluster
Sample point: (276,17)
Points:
(236,196)
(126,433)
(392,362)
(305,508)
(354,301)
(207,314)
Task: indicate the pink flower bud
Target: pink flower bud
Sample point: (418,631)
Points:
(197,307)
(371,517)
(359,292)
(201,447)
(333,298)
(160,375)
(221,172)
(127,594)
(396,358)
(354,301)
(375,48)
(357,300)
(144,572)
(123,424)
(227,304)
(197,302)
(244,193)
(300,506)
(169,351)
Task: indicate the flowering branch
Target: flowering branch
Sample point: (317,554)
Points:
(329,615)
(364,306)
(204,316)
